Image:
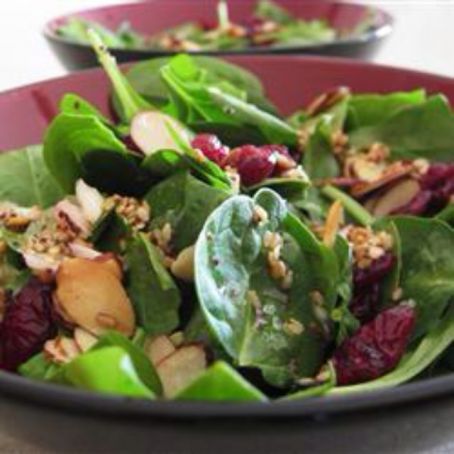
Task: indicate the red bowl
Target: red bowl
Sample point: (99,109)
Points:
(65,419)
(158,15)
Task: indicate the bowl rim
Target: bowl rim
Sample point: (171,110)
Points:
(375,34)
(61,398)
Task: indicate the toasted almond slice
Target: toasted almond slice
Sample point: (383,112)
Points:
(333,222)
(150,131)
(327,100)
(84,339)
(90,200)
(396,197)
(91,296)
(158,348)
(183,266)
(177,338)
(394,174)
(181,368)
(61,350)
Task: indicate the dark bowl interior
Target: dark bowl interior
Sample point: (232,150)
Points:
(158,15)
(68,420)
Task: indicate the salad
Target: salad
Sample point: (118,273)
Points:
(204,247)
(270,26)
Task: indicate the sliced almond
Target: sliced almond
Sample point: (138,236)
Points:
(90,295)
(177,338)
(150,131)
(390,176)
(327,100)
(183,266)
(84,339)
(181,368)
(365,169)
(333,221)
(90,200)
(71,216)
(61,350)
(396,197)
(159,348)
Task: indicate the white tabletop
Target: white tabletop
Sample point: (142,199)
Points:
(423,38)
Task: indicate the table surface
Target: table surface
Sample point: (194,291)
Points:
(423,40)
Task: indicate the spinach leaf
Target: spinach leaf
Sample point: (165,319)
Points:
(196,101)
(107,370)
(39,368)
(272,128)
(431,346)
(447,215)
(146,79)
(69,138)
(74,104)
(257,321)
(164,163)
(25,180)
(427,266)
(370,109)
(318,157)
(110,233)
(114,173)
(151,288)
(221,382)
(142,365)
(291,189)
(424,130)
(129,101)
(184,202)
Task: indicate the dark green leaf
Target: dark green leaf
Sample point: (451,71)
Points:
(151,288)
(184,202)
(69,138)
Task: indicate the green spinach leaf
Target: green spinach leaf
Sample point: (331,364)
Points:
(221,382)
(152,290)
(108,370)
(25,180)
(257,321)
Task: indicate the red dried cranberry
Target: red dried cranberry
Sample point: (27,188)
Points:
(373,274)
(365,302)
(211,147)
(366,287)
(254,164)
(376,348)
(27,324)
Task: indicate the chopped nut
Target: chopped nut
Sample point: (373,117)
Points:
(61,350)
(260,215)
(84,339)
(397,294)
(158,348)
(272,240)
(183,266)
(177,338)
(293,327)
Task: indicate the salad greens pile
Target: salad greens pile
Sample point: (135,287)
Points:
(205,247)
(271,25)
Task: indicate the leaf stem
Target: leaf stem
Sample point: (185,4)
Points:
(351,206)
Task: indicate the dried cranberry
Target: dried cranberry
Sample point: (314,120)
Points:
(365,301)
(254,164)
(366,287)
(374,273)
(211,147)
(376,348)
(27,324)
